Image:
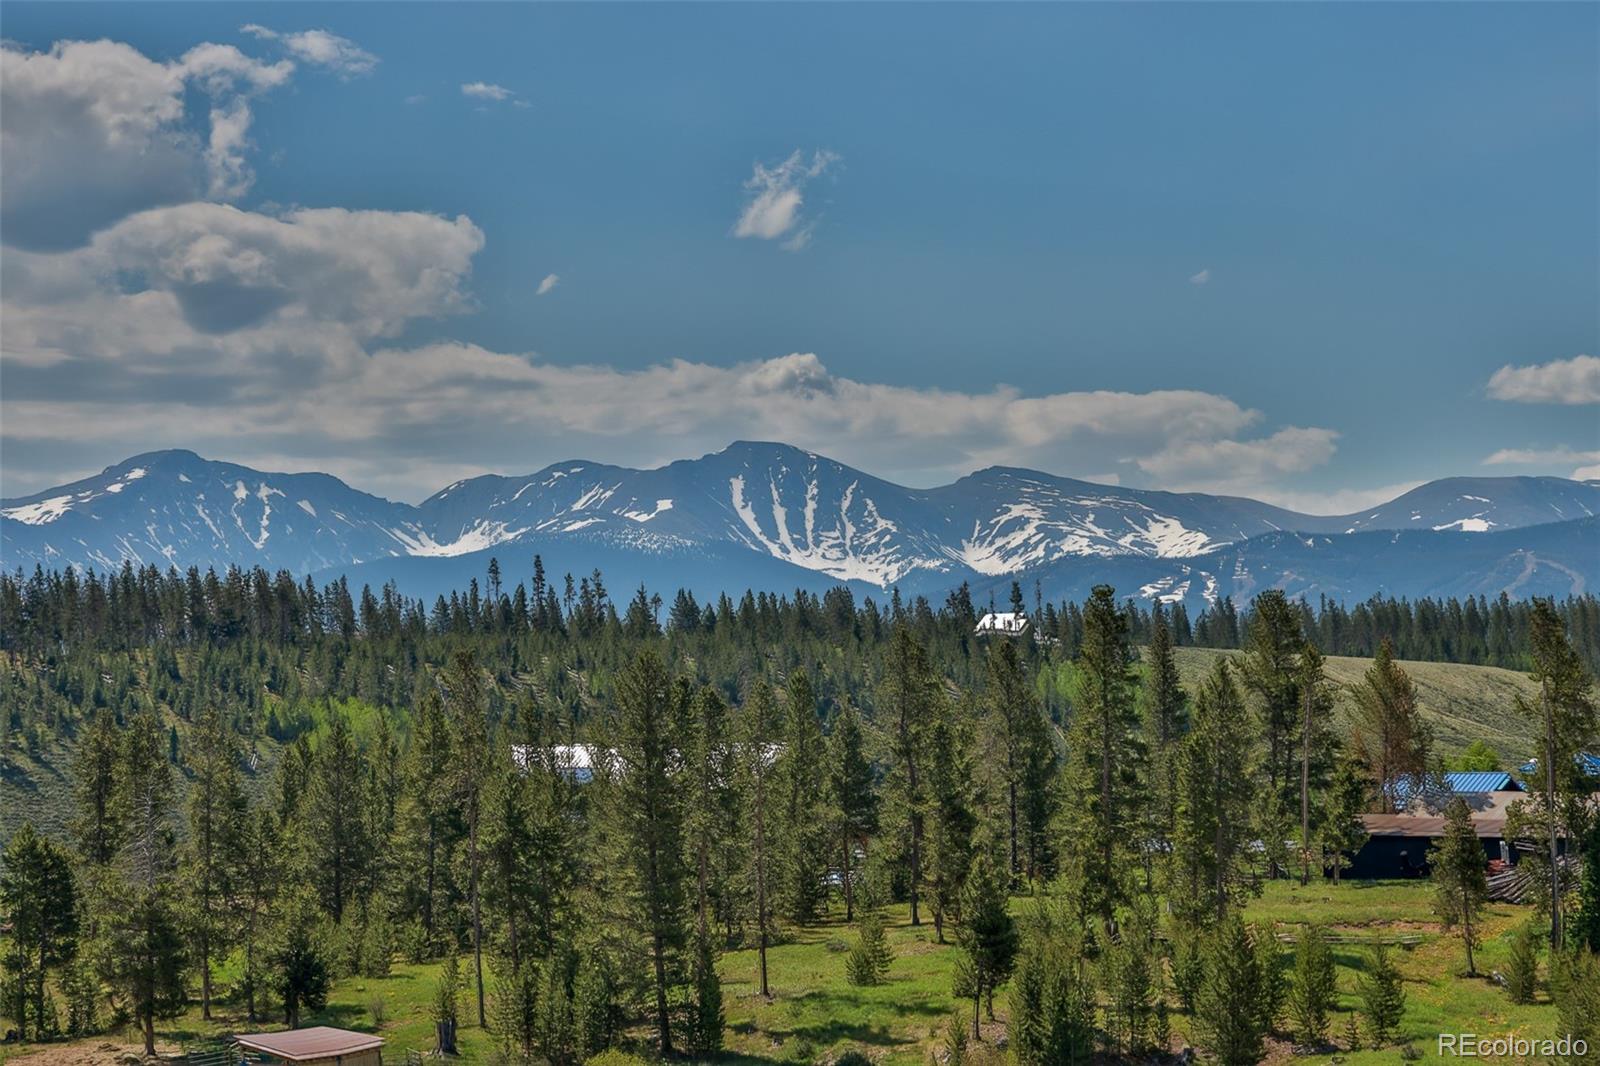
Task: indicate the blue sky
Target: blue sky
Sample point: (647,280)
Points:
(1282,250)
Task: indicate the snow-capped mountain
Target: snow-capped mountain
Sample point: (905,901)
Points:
(175,508)
(1482,504)
(806,518)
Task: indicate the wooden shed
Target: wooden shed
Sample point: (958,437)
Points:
(319,1045)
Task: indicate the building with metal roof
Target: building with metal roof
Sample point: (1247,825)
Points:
(1471,785)
(1588,760)
(1004,624)
(317,1045)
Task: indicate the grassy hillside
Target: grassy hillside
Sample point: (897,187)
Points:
(1462,703)
(814,1014)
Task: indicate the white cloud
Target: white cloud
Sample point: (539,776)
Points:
(1336,501)
(415,98)
(92,130)
(776,197)
(1548,457)
(211,291)
(319,48)
(1541,456)
(1563,381)
(1240,466)
(1201,278)
(550,281)
(482,90)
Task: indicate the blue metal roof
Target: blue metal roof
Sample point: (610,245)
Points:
(1460,783)
(1478,781)
(1588,760)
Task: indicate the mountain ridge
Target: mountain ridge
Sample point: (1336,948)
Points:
(825,520)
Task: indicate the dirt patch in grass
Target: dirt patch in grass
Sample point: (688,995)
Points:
(98,1052)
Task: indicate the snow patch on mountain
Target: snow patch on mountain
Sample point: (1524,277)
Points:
(37,514)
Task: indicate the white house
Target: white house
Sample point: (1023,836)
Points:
(1008,624)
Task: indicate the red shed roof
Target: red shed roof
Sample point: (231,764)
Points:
(317,1042)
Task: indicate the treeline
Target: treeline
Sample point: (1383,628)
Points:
(582,895)
(134,608)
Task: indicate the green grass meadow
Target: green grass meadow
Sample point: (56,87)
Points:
(814,1013)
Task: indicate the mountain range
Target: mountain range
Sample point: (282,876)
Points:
(772,516)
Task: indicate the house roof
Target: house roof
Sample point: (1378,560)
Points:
(1416,825)
(1480,781)
(1003,622)
(1589,761)
(316,1042)
(1465,783)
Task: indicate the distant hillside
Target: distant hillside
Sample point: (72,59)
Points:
(1462,703)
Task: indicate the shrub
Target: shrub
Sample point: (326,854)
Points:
(613,1057)
(852,1058)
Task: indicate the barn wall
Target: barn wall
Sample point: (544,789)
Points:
(1379,858)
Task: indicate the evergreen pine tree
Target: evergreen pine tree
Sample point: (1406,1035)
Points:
(705,1016)
(908,701)
(1569,719)
(650,882)
(1383,997)
(296,958)
(1166,721)
(216,820)
(1390,737)
(952,815)
(1028,758)
(1270,671)
(1102,809)
(1342,832)
(803,824)
(99,822)
(1209,863)
(1228,1016)
(988,934)
(854,799)
(469,722)
(868,961)
(1522,968)
(141,949)
(758,730)
(1459,884)
(39,905)
(1313,986)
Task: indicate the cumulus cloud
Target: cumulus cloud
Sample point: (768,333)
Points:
(319,48)
(1240,466)
(1563,381)
(1540,456)
(1202,278)
(482,90)
(550,281)
(92,130)
(252,336)
(1336,501)
(776,196)
(262,301)
(1550,457)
